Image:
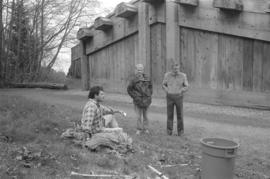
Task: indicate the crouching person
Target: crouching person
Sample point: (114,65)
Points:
(99,121)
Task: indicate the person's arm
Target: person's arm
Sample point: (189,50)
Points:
(130,89)
(164,83)
(109,110)
(185,84)
(151,86)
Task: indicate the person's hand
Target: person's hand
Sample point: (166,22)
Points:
(122,113)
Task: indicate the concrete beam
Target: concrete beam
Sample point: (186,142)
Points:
(268,7)
(103,23)
(236,5)
(153,1)
(189,2)
(84,34)
(144,36)
(125,10)
(172,33)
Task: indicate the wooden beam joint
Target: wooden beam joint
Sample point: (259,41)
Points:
(153,1)
(189,2)
(268,8)
(103,23)
(236,5)
(125,10)
(84,33)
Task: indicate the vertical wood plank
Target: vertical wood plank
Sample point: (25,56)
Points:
(236,63)
(198,58)
(206,59)
(258,66)
(84,67)
(266,67)
(220,65)
(230,62)
(124,47)
(172,33)
(248,65)
(144,36)
(188,59)
(156,56)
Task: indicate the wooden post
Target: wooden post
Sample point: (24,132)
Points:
(144,37)
(172,33)
(84,67)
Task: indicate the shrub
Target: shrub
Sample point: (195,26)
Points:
(51,76)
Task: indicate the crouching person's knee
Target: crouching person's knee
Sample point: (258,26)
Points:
(110,121)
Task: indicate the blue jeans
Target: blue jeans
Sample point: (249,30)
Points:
(142,117)
(177,101)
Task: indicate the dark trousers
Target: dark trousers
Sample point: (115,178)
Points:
(177,101)
(142,117)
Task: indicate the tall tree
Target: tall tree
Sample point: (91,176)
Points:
(1,41)
(33,32)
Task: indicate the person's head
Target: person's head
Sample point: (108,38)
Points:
(97,93)
(139,68)
(175,67)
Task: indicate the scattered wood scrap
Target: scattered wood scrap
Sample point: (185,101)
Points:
(75,175)
(161,175)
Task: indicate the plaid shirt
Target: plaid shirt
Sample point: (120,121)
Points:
(92,117)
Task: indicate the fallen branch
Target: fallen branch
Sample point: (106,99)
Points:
(38,85)
(161,175)
(168,166)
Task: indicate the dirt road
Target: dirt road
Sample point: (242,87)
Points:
(249,127)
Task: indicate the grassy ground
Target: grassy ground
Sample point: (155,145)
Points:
(30,145)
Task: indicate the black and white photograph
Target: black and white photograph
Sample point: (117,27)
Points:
(134,89)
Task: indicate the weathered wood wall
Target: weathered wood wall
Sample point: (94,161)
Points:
(158,55)
(219,61)
(75,65)
(112,66)
(225,53)
(226,65)
(75,69)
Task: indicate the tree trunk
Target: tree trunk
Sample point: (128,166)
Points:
(39,85)
(41,33)
(1,41)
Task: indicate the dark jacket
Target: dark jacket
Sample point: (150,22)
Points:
(140,90)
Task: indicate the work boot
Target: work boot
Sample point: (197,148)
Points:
(147,131)
(169,132)
(181,133)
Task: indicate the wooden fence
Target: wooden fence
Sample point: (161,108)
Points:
(222,45)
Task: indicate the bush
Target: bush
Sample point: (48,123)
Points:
(51,76)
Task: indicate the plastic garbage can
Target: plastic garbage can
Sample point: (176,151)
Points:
(218,158)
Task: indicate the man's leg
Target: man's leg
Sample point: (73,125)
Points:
(138,112)
(110,121)
(179,110)
(170,110)
(145,120)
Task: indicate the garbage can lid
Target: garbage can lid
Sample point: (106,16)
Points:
(219,143)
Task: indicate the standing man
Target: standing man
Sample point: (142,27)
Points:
(140,90)
(175,84)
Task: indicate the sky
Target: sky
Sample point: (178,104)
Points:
(111,3)
(64,58)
